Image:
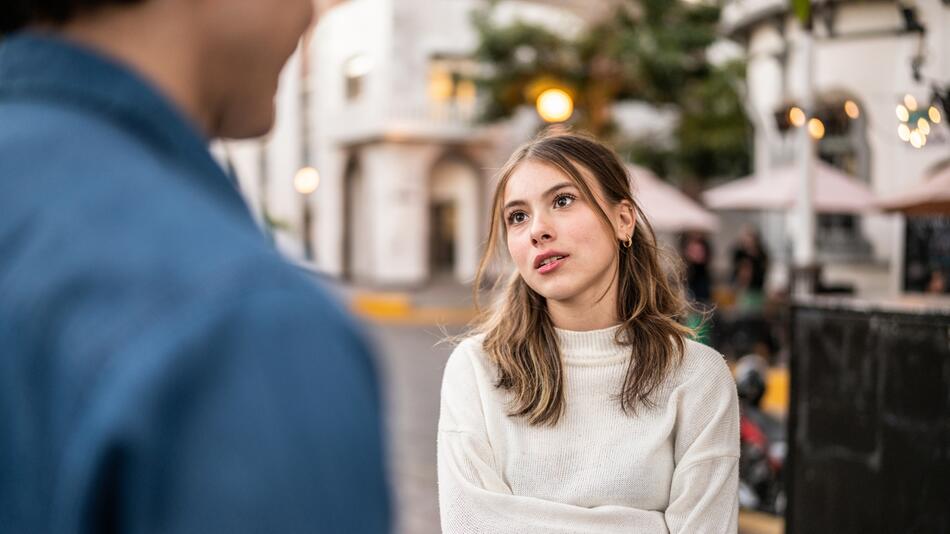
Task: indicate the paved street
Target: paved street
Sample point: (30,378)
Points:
(411,364)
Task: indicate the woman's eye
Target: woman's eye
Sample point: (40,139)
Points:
(563,201)
(517,217)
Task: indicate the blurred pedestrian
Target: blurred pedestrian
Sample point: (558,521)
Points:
(937,283)
(750,263)
(696,253)
(579,404)
(161,368)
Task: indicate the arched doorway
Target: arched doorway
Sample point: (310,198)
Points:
(453,218)
(844,145)
(356,260)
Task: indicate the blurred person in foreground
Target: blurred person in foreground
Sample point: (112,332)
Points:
(161,368)
(579,404)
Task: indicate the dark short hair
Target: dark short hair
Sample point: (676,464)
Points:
(18,14)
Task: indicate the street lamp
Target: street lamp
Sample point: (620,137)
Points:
(306,182)
(555,105)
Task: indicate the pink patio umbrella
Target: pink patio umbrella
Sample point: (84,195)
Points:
(668,209)
(835,192)
(929,198)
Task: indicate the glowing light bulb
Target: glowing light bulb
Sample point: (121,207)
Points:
(902,114)
(555,105)
(934,114)
(307,180)
(910,102)
(851,109)
(796,116)
(816,128)
(903,131)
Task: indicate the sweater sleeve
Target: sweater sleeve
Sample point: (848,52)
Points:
(473,494)
(704,489)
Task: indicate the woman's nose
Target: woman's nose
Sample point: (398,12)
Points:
(541,231)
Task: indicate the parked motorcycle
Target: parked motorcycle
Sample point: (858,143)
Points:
(763,444)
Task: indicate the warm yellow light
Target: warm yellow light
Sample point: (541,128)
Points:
(816,128)
(903,131)
(306,180)
(902,113)
(555,105)
(796,116)
(466,91)
(923,126)
(851,109)
(934,114)
(916,139)
(440,85)
(910,102)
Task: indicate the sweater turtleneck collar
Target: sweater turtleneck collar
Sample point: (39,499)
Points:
(591,346)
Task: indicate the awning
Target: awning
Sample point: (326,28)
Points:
(666,207)
(932,197)
(835,192)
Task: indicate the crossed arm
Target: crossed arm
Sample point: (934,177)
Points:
(474,497)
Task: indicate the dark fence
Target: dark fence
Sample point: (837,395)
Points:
(869,427)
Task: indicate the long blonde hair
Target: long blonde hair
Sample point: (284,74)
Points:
(519,336)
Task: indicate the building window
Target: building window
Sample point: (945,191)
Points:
(355,71)
(845,146)
(452,84)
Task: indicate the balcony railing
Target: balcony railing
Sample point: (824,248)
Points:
(443,121)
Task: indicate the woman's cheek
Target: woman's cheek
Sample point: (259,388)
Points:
(518,252)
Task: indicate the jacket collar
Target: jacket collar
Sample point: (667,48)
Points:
(42,67)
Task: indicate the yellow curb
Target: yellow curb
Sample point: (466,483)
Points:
(760,523)
(424,317)
(396,308)
(381,305)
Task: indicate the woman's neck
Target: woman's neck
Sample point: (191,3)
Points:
(583,314)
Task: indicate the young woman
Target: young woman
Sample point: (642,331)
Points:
(580,404)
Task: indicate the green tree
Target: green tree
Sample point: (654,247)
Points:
(650,50)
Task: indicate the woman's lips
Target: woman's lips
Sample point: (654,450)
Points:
(549,267)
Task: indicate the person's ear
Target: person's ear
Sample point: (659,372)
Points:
(626,220)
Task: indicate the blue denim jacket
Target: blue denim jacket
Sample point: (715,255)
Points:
(161,368)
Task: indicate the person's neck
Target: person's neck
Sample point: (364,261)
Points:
(163,53)
(593,311)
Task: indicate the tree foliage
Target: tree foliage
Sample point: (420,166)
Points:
(650,50)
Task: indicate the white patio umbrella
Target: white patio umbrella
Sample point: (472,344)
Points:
(668,209)
(835,192)
(932,197)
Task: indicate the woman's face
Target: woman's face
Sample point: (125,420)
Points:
(558,241)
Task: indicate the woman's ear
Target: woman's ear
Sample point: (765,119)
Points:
(626,220)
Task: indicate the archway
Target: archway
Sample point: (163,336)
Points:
(844,145)
(356,261)
(453,218)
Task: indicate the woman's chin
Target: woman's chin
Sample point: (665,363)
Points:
(556,291)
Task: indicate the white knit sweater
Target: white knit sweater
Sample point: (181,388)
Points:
(673,468)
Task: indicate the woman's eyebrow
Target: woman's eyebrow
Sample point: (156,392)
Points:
(549,192)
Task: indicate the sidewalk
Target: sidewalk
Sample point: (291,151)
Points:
(440,302)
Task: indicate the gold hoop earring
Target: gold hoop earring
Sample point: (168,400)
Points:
(629,242)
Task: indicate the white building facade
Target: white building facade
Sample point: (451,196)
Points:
(381,101)
(863,56)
